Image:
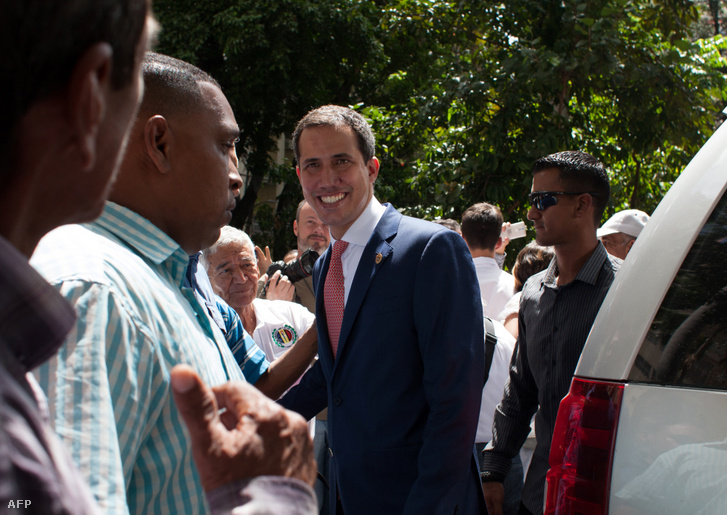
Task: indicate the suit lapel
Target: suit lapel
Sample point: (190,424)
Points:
(375,254)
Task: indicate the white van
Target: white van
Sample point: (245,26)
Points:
(644,427)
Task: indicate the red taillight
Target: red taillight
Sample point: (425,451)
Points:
(581,453)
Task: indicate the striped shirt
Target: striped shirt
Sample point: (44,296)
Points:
(108,387)
(248,355)
(554,323)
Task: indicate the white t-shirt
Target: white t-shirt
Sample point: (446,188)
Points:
(279,325)
(493,390)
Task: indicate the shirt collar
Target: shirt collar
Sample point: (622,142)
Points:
(485,261)
(588,272)
(145,239)
(34,317)
(360,231)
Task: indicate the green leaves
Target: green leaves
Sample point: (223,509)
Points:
(465,96)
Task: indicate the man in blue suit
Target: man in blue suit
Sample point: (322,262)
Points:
(401,368)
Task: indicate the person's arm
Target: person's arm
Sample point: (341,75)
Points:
(284,371)
(500,253)
(450,334)
(310,396)
(510,324)
(252,455)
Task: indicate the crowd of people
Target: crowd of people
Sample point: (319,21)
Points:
(133,320)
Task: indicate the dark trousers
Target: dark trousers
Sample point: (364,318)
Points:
(523,510)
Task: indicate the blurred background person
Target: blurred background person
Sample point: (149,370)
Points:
(530,260)
(313,240)
(619,233)
(452,225)
(482,231)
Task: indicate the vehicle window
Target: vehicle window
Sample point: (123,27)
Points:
(687,342)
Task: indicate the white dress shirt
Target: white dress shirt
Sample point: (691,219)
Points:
(357,236)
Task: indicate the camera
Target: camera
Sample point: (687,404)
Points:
(516,230)
(297,269)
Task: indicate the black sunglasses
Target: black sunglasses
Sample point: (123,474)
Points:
(542,200)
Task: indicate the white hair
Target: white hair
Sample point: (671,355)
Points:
(228,236)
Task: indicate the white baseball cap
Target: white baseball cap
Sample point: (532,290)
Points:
(630,221)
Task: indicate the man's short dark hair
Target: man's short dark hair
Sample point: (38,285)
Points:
(482,226)
(171,85)
(580,172)
(42,41)
(338,116)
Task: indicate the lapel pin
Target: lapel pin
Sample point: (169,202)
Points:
(379,257)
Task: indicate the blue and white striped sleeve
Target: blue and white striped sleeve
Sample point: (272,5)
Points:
(248,355)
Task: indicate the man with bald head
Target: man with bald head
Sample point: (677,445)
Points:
(124,275)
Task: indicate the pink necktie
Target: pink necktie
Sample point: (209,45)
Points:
(333,294)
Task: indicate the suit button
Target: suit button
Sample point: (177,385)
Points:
(330,451)
(337,401)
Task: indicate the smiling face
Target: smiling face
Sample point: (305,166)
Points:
(312,233)
(337,182)
(204,165)
(234,274)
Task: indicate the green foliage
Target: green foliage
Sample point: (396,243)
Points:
(275,61)
(465,96)
(616,79)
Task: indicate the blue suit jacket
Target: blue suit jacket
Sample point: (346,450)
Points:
(403,394)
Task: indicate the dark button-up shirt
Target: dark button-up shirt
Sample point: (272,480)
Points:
(554,323)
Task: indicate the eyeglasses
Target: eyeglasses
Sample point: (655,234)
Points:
(542,200)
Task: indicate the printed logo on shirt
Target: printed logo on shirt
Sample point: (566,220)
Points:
(284,336)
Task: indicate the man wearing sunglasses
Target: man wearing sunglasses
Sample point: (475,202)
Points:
(569,193)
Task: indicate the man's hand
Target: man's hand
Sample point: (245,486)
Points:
(280,287)
(504,239)
(494,497)
(263,259)
(252,437)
